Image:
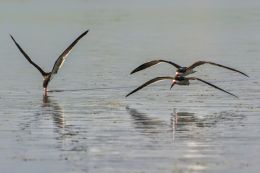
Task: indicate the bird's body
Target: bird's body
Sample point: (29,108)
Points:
(46,79)
(181,80)
(183,71)
(47,76)
(178,80)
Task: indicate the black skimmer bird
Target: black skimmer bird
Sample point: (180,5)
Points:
(178,80)
(47,76)
(183,71)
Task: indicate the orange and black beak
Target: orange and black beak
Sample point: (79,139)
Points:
(173,83)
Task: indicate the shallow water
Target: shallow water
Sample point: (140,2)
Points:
(87,125)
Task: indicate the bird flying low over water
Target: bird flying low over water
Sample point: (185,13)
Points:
(47,76)
(183,71)
(178,80)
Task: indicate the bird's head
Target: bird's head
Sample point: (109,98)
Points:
(45,83)
(181,70)
(179,73)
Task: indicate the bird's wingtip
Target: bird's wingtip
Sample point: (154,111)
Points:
(128,95)
(12,38)
(134,71)
(235,96)
(85,32)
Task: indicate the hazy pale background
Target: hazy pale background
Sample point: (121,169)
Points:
(91,126)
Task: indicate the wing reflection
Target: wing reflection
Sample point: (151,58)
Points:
(149,126)
(49,110)
(55,110)
(179,123)
(40,119)
(180,120)
(67,135)
(192,134)
(142,121)
(89,89)
(189,121)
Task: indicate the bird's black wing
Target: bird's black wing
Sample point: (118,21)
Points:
(150,82)
(194,78)
(27,57)
(151,63)
(198,63)
(65,54)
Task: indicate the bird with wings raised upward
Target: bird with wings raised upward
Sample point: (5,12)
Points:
(47,76)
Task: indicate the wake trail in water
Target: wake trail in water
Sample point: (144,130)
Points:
(93,89)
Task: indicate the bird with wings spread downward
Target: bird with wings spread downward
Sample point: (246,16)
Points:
(178,80)
(181,73)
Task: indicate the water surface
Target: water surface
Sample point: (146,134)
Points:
(87,125)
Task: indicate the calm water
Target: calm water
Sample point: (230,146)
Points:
(89,125)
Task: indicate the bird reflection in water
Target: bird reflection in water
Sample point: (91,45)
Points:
(190,132)
(49,110)
(149,126)
(55,110)
(45,110)
(185,120)
(180,119)
(67,134)
(57,113)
